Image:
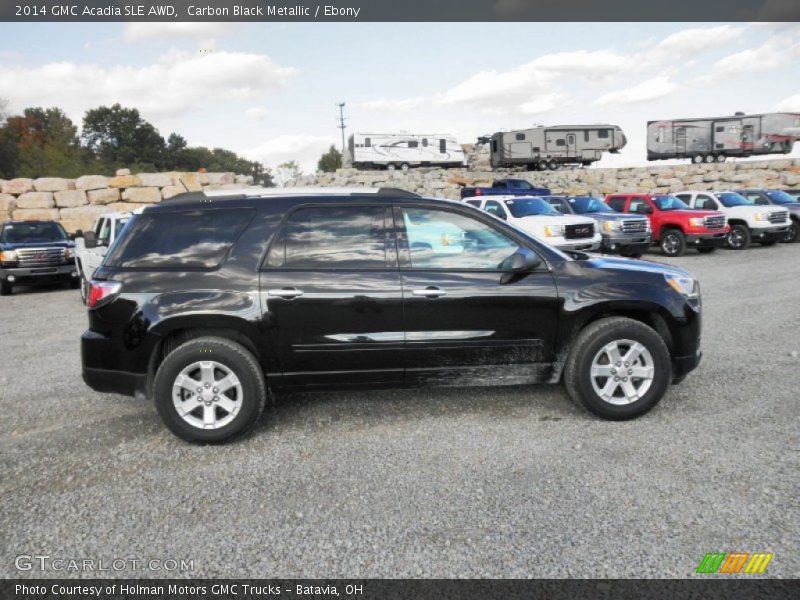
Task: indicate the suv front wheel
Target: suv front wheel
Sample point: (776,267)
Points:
(618,368)
(209,389)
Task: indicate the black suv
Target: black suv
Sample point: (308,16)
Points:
(206,301)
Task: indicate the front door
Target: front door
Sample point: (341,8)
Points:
(571,146)
(467,319)
(331,296)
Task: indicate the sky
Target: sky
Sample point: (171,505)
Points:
(269,90)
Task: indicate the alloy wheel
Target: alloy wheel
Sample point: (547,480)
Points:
(207,394)
(622,372)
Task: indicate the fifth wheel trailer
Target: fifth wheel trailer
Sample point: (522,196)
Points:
(716,138)
(404,150)
(550,147)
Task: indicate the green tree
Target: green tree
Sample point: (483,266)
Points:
(330,161)
(41,142)
(119,137)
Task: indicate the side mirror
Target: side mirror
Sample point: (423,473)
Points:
(90,239)
(525,260)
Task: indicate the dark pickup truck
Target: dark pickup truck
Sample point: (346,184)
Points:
(35,252)
(506,187)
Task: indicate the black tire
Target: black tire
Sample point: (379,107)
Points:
(587,345)
(709,158)
(707,249)
(697,159)
(672,242)
(390,167)
(5,288)
(553,165)
(793,235)
(739,237)
(405,167)
(542,164)
(234,357)
(720,158)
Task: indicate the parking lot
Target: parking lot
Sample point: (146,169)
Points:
(489,482)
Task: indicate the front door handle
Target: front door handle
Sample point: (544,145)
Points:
(286,293)
(430,292)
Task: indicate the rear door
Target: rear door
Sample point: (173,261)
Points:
(333,297)
(466,320)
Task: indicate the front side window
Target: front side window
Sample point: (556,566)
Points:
(780,197)
(669,203)
(584,205)
(332,237)
(190,239)
(618,204)
(731,199)
(439,239)
(105,231)
(639,206)
(493,207)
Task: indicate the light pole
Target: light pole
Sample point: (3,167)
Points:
(341,123)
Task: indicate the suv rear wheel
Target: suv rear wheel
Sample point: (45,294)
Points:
(209,389)
(618,368)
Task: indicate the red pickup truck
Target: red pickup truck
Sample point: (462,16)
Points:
(675,226)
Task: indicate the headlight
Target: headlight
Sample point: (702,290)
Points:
(762,216)
(69,253)
(686,286)
(9,256)
(612,226)
(697,221)
(554,230)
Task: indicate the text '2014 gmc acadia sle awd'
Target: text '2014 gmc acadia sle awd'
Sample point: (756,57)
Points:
(207,301)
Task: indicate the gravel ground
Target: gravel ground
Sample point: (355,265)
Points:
(497,482)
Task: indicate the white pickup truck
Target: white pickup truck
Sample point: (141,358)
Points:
(91,246)
(537,217)
(749,223)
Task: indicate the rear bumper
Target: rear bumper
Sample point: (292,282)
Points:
(37,274)
(97,351)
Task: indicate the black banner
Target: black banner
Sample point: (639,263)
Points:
(380,589)
(401,10)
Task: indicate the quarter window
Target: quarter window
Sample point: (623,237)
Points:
(439,239)
(332,237)
(602,133)
(519,137)
(191,239)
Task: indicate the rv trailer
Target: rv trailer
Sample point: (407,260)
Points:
(714,139)
(404,150)
(550,147)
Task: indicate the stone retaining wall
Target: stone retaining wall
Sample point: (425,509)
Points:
(78,202)
(447,183)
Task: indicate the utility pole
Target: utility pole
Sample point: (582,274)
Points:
(341,125)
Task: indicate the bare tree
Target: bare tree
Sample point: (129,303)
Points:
(4,104)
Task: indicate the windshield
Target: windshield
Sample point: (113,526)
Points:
(731,199)
(583,205)
(33,232)
(528,207)
(669,203)
(779,197)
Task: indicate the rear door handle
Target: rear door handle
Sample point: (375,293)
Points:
(286,293)
(430,292)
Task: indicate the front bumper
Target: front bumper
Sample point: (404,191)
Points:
(682,365)
(580,245)
(769,234)
(632,243)
(23,275)
(707,240)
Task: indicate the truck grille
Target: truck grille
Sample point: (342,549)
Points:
(715,222)
(779,216)
(576,232)
(634,225)
(40,257)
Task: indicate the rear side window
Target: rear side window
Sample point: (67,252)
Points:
(332,237)
(192,239)
(618,204)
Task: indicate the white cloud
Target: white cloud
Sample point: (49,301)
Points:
(304,148)
(198,31)
(393,105)
(790,104)
(257,113)
(177,83)
(542,104)
(777,51)
(647,90)
(689,42)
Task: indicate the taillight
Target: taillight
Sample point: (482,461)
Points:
(101,291)
(478,191)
